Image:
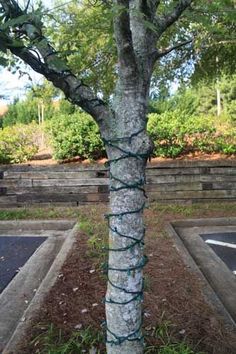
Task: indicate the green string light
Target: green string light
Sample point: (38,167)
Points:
(121,214)
(140,265)
(139,185)
(125,290)
(134,336)
(136,297)
(121,249)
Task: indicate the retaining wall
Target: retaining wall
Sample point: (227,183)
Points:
(71,185)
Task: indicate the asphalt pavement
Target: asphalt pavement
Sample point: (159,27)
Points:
(14,253)
(224,245)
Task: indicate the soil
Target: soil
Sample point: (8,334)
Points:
(173,293)
(44,157)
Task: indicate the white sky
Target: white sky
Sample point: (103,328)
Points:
(11,85)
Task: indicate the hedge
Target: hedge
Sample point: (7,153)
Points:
(174,133)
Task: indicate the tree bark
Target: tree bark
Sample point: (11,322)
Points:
(128,147)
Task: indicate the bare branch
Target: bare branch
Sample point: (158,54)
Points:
(42,57)
(172,17)
(160,54)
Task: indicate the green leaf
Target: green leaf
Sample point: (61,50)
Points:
(16,22)
(3,42)
(2,47)
(3,61)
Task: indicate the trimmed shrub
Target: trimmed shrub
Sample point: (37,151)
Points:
(167,134)
(175,133)
(17,143)
(75,135)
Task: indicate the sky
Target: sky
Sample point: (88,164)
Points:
(12,85)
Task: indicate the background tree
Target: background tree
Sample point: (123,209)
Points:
(218,41)
(27,109)
(144,31)
(21,112)
(211,25)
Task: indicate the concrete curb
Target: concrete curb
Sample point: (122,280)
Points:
(212,292)
(12,347)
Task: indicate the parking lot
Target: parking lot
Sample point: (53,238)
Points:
(224,245)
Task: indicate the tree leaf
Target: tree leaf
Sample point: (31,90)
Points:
(3,61)
(16,22)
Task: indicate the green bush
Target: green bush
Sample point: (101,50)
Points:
(167,134)
(21,112)
(75,135)
(17,143)
(175,133)
(204,143)
(226,144)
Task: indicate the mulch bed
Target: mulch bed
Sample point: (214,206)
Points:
(173,294)
(44,157)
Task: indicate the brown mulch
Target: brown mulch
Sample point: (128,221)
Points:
(44,157)
(173,293)
(75,299)
(79,290)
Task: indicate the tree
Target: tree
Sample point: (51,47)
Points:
(28,109)
(84,37)
(218,43)
(211,25)
(139,26)
(20,112)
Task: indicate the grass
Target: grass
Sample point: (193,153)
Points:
(88,213)
(38,213)
(87,340)
(192,210)
(97,235)
(178,348)
(162,333)
(54,341)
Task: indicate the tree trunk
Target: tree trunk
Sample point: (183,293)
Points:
(218,99)
(128,149)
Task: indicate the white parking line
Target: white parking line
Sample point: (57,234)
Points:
(220,243)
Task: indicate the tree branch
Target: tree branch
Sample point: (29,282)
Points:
(168,20)
(42,57)
(230,41)
(160,54)
(124,37)
(149,8)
